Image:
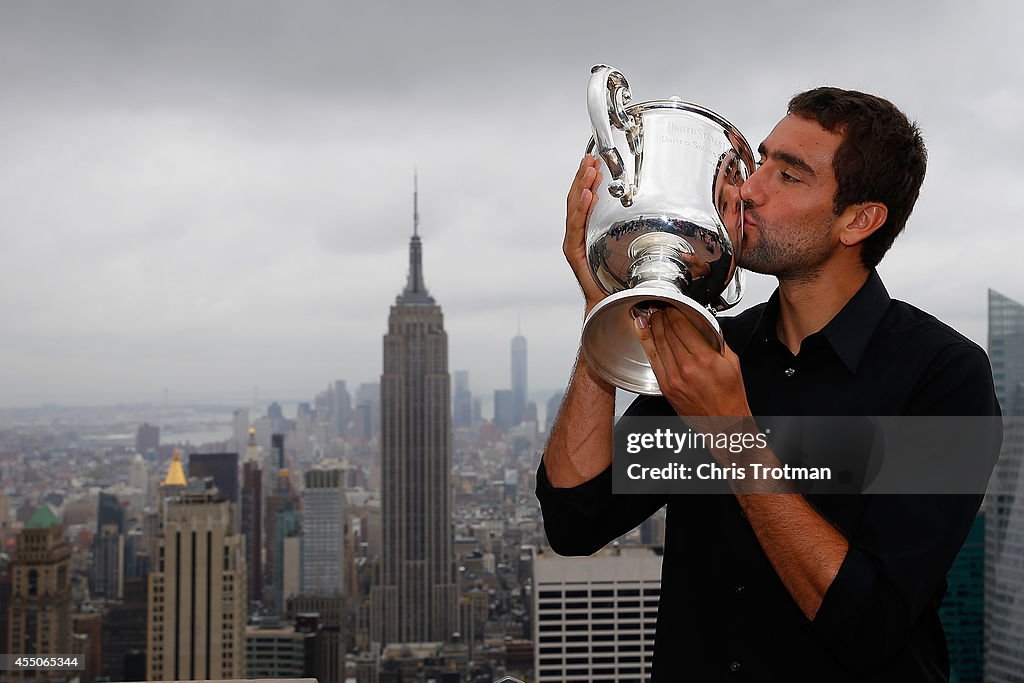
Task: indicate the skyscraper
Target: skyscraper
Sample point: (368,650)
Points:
(136,557)
(124,634)
(279,424)
(1004,503)
(462,403)
(222,468)
(324,566)
(341,405)
(109,511)
(40,608)
(416,600)
(282,528)
(595,616)
(147,438)
(197,602)
(277,461)
(962,610)
(518,355)
(368,399)
(252,518)
(286,569)
(505,409)
(239,429)
(329,617)
(107,571)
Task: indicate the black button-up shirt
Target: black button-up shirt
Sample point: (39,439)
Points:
(724,614)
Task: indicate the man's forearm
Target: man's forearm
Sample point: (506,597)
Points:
(803,547)
(580,446)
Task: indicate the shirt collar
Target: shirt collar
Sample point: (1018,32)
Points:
(849,332)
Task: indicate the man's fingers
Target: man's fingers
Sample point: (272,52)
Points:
(593,191)
(583,193)
(579,212)
(583,178)
(580,203)
(581,200)
(576,222)
(686,332)
(586,199)
(660,351)
(642,327)
(669,348)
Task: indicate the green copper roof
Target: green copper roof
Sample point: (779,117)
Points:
(43,518)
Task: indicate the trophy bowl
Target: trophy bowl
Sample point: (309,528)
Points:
(667,227)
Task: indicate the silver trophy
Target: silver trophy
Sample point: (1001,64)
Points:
(667,228)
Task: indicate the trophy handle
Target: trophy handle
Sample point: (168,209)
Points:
(607,97)
(733,293)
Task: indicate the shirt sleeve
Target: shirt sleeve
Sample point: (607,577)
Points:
(583,519)
(900,553)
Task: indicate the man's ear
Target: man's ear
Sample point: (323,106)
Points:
(860,221)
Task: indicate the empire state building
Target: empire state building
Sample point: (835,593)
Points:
(416,600)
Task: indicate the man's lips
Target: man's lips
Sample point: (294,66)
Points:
(749,225)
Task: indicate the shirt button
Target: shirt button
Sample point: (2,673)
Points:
(789,372)
(734,667)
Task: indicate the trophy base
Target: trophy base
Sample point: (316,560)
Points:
(609,338)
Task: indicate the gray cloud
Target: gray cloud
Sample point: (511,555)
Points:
(213,196)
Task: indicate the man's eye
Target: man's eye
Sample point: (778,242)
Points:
(788,178)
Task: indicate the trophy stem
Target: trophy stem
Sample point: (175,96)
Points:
(660,260)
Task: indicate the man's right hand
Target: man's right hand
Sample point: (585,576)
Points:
(580,445)
(578,206)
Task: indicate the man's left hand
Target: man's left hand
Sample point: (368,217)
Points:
(695,378)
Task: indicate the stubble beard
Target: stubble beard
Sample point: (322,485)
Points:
(796,260)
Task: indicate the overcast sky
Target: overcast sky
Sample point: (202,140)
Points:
(212,196)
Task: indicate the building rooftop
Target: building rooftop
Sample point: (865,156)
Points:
(176,472)
(42,518)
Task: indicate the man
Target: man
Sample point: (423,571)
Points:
(784,586)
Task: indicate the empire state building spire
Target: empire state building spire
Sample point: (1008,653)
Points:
(415,291)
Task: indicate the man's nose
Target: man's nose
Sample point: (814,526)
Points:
(752,190)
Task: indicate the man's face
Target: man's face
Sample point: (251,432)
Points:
(790,230)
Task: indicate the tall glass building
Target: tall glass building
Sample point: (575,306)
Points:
(519,381)
(963,608)
(1004,504)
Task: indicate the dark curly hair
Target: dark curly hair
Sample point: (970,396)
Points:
(882,157)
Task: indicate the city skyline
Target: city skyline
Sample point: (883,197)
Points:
(210,198)
(585,615)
